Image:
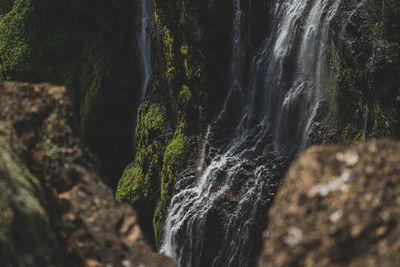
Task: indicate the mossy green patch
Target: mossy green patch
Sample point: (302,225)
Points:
(351,135)
(184,95)
(168,42)
(140,180)
(131,185)
(15,38)
(173,162)
(150,122)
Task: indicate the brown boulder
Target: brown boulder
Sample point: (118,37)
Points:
(90,227)
(338,207)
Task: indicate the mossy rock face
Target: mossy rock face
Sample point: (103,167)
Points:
(86,46)
(185,34)
(190,56)
(140,178)
(26,238)
(175,158)
(148,182)
(155,168)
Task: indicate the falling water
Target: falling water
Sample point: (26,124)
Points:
(365,124)
(144,30)
(218,219)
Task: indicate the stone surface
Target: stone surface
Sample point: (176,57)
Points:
(91,228)
(338,207)
(25,234)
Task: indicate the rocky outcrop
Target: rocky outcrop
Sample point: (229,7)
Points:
(26,237)
(338,206)
(67,216)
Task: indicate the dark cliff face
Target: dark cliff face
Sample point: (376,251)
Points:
(89,47)
(189,59)
(364,63)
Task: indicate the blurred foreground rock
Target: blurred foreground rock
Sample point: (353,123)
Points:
(55,208)
(338,207)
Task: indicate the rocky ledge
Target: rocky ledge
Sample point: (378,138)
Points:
(338,207)
(55,208)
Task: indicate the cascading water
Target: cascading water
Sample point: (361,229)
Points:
(144,30)
(218,219)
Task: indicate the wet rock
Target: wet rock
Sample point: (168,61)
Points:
(90,228)
(365,61)
(338,207)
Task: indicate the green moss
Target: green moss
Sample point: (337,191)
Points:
(131,185)
(15,36)
(174,157)
(168,43)
(184,49)
(184,95)
(173,162)
(155,169)
(150,122)
(140,180)
(156,15)
(186,56)
(351,135)
(174,153)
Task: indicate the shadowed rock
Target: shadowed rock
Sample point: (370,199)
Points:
(67,217)
(338,207)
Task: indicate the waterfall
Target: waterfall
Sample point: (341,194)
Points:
(302,99)
(144,30)
(365,124)
(218,220)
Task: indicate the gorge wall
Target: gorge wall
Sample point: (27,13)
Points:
(210,100)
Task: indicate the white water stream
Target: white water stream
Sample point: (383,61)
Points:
(277,106)
(144,30)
